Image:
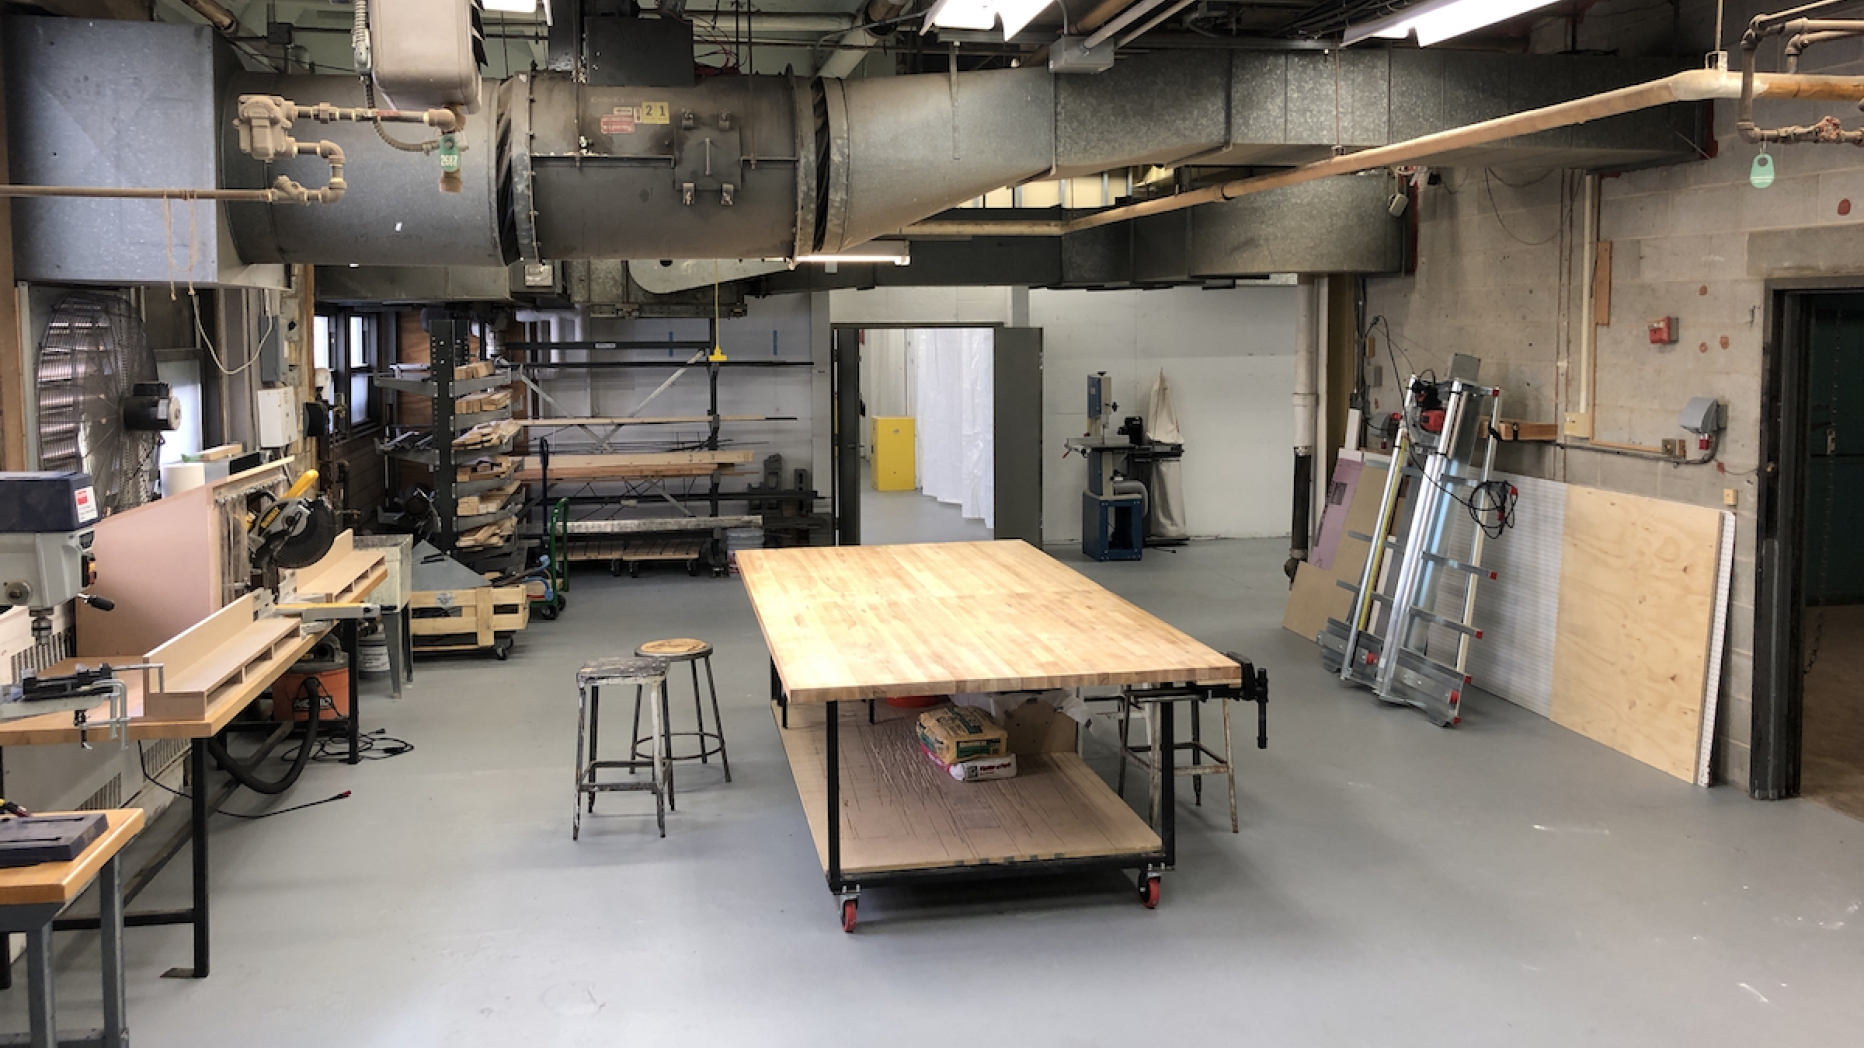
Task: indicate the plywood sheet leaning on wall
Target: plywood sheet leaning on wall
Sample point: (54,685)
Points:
(1638,586)
(1317,596)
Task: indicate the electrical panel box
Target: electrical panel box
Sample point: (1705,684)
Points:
(1703,415)
(427,53)
(278,417)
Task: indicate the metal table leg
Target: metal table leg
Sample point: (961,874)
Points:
(1167,773)
(41,1005)
(198,811)
(391,637)
(110,915)
(350,632)
(832,743)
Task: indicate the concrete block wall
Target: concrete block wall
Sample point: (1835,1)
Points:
(1499,274)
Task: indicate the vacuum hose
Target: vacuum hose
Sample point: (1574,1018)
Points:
(243,772)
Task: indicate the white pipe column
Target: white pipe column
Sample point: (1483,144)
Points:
(1307,333)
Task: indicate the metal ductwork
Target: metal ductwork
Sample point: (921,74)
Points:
(754,167)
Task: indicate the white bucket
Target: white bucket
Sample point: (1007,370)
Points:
(372,656)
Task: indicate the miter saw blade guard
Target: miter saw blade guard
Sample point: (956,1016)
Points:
(310,536)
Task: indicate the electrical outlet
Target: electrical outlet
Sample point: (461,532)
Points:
(1675,447)
(1579,424)
(1730,497)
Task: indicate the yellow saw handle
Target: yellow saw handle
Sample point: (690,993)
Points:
(303,485)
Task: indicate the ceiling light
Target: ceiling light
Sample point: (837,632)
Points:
(1435,21)
(983,14)
(898,253)
(516,7)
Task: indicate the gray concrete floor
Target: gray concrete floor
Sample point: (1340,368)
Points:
(1394,883)
(892,517)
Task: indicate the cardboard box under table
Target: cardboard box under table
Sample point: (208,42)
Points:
(855,623)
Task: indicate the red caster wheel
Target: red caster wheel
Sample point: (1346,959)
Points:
(847,914)
(1149,892)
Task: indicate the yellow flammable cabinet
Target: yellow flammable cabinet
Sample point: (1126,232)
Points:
(893,455)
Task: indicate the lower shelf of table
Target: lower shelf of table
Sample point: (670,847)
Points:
(902,814)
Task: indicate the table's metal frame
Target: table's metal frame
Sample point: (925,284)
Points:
(1254,687)
(201,807)
(38,922)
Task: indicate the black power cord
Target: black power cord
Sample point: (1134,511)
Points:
(143,764)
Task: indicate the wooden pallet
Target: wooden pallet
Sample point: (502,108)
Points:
(496,533)
(479,619)
(662,547)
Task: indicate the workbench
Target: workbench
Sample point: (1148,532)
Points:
(855,623)
(53,729)
(31,897)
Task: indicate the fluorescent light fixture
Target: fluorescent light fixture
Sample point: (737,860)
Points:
(896,252)
(516,7)
(1435,21)
(983,14)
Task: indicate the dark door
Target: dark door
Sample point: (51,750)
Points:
(1018,394)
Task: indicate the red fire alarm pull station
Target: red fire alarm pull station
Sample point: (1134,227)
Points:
(1663,331)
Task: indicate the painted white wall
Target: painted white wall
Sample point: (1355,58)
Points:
(776,327)
(1230,357)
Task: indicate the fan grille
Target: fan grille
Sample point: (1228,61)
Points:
(94,353)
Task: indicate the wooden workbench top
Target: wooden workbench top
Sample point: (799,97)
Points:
(61,882)
(866,622)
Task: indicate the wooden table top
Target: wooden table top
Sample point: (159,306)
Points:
(867,622)
(61,882)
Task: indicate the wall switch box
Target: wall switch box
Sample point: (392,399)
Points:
(1579,424)
(1663,331)
(1675,448)
(1730,497)
(279,418)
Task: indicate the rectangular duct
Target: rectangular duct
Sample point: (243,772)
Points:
(149,123)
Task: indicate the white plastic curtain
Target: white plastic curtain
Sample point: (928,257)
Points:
(953,406)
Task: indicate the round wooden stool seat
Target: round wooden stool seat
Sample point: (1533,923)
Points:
(678,648)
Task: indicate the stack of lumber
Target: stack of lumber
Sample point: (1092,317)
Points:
(493,534)
(487,400)
(486,502)
(486,435)
(489,468)
(627,467)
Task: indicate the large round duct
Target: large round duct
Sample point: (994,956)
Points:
(708,171)
(394,213)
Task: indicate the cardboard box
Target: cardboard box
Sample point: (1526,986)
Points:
(1038,727)
(977,769)
(954,734)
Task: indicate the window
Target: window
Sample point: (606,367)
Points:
(348,346)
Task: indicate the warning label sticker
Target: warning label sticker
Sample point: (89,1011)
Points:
(620,122)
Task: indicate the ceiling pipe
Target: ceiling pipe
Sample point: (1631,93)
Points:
(1125,18)
(1694,86)
(1154,22)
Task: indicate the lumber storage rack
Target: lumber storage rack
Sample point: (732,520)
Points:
(1149,865)
(583,539)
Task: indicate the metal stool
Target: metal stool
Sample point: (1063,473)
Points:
(1146,756)
(643,673)
(692,652)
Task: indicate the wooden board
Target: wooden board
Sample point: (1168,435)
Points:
(57,883)
(1637,599)
(483,613)
(864,622)
(663,548)
(570,423)
(214,657)
(1316,595)
(487,501)
(344,574)
(902,812)
(645,525)
(626,467)
(54,729)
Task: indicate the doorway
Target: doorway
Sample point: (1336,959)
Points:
(1809,627)
(1832,566)
(927,439)
(972,399)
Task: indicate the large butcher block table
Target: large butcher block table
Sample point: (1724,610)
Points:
(853,623)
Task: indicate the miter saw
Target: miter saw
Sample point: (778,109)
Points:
(293,530)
